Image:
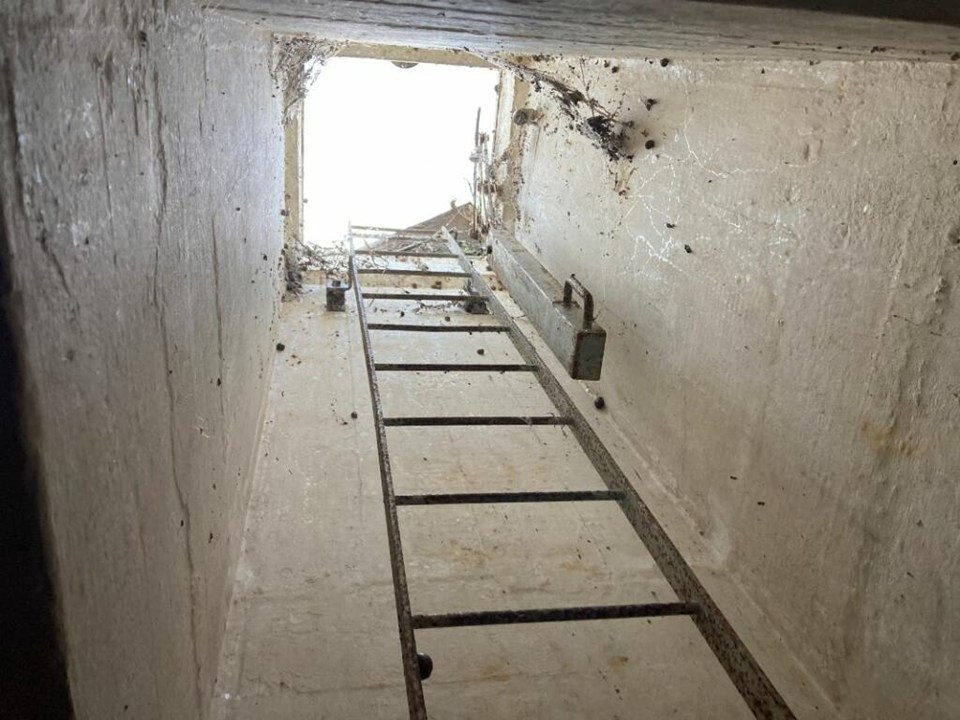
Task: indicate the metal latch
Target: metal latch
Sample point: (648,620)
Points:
(569,286)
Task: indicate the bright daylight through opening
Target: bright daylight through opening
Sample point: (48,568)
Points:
(389,146)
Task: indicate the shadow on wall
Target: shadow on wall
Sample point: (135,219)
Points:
(32,672)
(940,12)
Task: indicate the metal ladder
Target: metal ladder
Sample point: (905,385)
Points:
(748,677)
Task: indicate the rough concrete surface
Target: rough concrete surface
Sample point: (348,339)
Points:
(142,189)
(292,198)
(777,274)
(922,29)
(312,630)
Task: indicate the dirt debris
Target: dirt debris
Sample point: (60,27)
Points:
(305,257)
(587,116)
(297,62)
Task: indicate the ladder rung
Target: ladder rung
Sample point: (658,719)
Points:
(409,327)
(455,367)
(542,615)
(532,496)
(419,273)
(374,229)
(411,253)
(475,420)
(446,297)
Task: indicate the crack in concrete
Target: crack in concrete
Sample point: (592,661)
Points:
(104,157)
(161,149)
(160,304)
(181,496)
(219,309)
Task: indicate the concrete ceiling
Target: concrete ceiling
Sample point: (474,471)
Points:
(786,28)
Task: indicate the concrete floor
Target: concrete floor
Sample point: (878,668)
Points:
(312,629)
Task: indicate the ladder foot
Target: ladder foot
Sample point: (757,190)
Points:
(425,663)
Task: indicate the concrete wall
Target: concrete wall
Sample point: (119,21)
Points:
(142,188)
(292,197)
(778,277)
(778,28)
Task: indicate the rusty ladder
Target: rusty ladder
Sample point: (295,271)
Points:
(748,677)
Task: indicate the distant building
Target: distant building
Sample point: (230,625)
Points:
(458,220)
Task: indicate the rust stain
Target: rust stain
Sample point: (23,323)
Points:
(618,662)
(577,566)
(493,672)
(883,440)
(467,557)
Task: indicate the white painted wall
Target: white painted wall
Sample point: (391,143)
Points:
(795,378)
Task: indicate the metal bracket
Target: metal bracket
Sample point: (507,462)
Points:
(576,339)
(336,294)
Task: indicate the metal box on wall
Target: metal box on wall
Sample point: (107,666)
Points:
(568,330)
